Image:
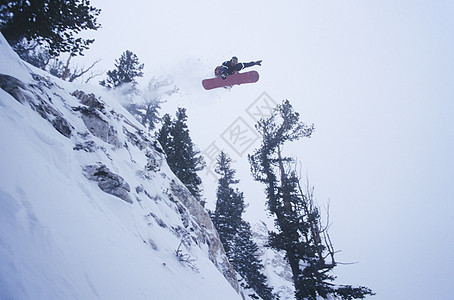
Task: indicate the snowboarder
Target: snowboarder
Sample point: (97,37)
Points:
(231,66)
(227,74)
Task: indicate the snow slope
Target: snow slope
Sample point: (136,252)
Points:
(88,206)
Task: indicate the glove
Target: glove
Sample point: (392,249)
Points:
(223,76)
(259,62)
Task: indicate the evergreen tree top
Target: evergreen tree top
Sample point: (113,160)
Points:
(223,168)
(182,157)
(54,23)
(127,69)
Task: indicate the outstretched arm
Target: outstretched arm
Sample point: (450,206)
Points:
(249,64)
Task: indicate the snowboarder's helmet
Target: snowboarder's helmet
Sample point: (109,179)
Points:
(235,58)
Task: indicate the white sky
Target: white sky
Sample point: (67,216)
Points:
(376,78)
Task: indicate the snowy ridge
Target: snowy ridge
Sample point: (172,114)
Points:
(89,208)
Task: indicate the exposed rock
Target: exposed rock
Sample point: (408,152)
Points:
(62,126)
(88,100)
(14,87)
(26,94)
(99,127)
(158,220)
(88,146)
(93,115)
(137,141)
(109,182)
(42,82)
(53,116)
(216,250)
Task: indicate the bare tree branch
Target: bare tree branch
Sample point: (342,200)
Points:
(93,75)
(80,72)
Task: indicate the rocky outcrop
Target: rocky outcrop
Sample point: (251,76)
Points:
(95,118)
(88,100)
(14,87)
(34,95)
(210,235)
(108,181)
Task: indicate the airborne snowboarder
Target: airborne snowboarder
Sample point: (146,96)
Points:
(232,65)
(228,74)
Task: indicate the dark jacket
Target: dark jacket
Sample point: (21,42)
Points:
(227,68)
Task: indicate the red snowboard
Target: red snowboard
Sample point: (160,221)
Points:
(238,78)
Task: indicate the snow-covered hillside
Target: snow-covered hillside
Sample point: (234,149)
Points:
(88,206)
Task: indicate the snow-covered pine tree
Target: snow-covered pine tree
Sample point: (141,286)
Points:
(164,135)
(146,113)
(127,69)
(229,204)
(183,159)
(235,233)
(297,220)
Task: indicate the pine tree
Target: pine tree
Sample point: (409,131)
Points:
(146,113)
(229,204)
(127,69)
(183,159)
(54,23)
(164,135)
(296,217)
(235,233)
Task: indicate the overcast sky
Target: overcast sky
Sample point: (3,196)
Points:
(377,80)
